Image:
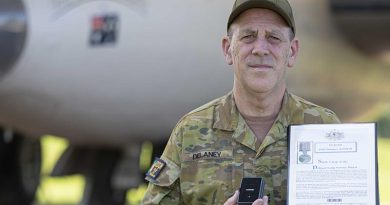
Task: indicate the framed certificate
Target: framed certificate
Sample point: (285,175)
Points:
(333,164)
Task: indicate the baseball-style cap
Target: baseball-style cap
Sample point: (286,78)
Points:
(282,7)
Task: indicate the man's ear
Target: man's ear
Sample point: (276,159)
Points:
(226,47)
(293,53)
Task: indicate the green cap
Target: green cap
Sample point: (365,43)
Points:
(282,7)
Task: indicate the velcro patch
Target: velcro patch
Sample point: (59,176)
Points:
(156,168)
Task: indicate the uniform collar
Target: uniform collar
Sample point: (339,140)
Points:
(228,118)
(226,114)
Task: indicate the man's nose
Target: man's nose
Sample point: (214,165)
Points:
(260,47)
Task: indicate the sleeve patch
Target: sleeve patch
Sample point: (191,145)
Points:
(156,168)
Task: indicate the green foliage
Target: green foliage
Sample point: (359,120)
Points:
(384,169)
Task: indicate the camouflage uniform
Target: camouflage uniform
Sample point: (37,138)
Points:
(212,148)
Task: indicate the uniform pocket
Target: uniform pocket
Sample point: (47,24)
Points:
(206,176)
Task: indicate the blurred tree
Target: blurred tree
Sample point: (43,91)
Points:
(384,124)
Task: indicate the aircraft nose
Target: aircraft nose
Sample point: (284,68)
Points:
(13,28)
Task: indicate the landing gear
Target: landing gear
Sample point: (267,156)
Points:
(109,173)
(20,163)
(99,189)
(100,168)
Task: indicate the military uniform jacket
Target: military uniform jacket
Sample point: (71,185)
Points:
(212,148)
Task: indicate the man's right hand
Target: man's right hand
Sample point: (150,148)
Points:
(233,200)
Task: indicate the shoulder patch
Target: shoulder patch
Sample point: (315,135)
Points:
(156,168)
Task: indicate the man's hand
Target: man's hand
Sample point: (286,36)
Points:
(233,200)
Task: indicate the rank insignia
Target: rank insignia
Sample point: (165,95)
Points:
(156,168)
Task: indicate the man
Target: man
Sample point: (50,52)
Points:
(242,134)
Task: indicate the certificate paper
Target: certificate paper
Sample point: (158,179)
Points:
(333,164)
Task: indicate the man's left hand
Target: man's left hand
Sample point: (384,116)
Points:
(233,200)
